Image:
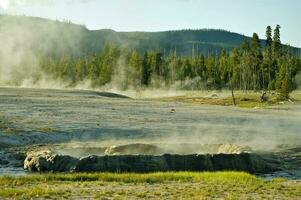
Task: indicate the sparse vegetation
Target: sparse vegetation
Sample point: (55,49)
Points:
(46,129)
(225,185)
(244,100)
(7,127)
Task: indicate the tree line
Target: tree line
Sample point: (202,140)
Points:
(252,66)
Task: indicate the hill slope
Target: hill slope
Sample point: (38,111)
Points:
(46,36)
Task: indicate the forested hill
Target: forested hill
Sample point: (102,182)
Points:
(55,37)
(184,42)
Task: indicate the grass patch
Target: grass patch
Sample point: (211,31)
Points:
(296,95)
(46,129)
(158,177)
(28,192)
(171,185)
(7,127)
(223,98)
(252,100)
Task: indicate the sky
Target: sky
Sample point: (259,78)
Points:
(241,16)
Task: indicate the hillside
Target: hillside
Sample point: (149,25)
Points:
(183,41)
(46,36)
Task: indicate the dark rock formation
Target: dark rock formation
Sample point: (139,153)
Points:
(172,162)
(147,163)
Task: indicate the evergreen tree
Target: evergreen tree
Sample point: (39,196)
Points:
(94,70)
(276,45)
(283,83)
(249,67)
(155,65)
(135,69)
(234,69)
(269,40)
(256,61)
(174,66)
(267,64)
(255,43)
(145,76)
(109,60)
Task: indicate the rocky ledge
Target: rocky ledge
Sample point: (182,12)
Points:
(49,162)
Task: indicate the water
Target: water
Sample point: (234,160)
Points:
(12,171)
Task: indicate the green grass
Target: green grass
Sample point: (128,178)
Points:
(223,98)
(178,185)
(252,100)
(158,177)
(296,95)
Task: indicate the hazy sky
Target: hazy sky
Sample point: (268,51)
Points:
(242,16)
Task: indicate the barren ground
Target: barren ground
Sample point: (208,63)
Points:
(69,120)
(77,118)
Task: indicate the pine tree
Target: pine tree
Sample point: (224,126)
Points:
(234,69)
(109,60)
(135,69)
(173,64)
(145,74)
(94,70)
(267,65)
(282,83)
(248,67)
(255,43)
(155,65)
(276,45)
(268,34)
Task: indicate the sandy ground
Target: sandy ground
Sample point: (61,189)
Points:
(75,117)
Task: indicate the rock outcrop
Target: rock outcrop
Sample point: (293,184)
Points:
(47,161)
(172,162)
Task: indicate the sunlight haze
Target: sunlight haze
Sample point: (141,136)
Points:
(157,15)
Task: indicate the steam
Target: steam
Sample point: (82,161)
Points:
(261,130)
(18,62)
(4,4)
(7,4)
(22,50)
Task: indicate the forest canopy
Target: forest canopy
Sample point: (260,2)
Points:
(252,66)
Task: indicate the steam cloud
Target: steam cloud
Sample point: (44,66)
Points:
(21,49)
(6,4)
